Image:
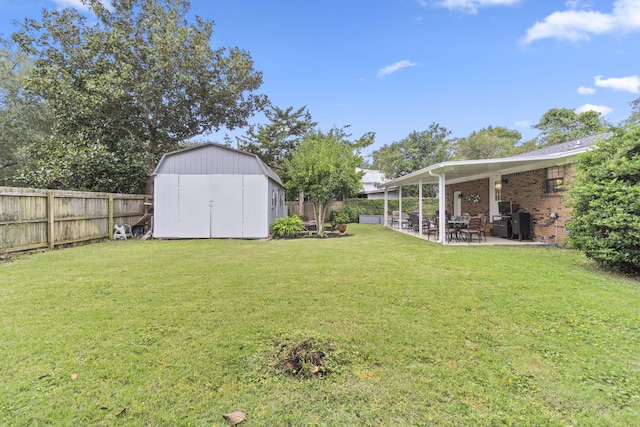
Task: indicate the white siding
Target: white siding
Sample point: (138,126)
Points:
(254,212)
(194,211)
(165,217)
(226,210)
(214,191)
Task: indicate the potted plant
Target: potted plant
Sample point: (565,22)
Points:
(339,222)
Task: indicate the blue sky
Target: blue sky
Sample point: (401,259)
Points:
(396,66)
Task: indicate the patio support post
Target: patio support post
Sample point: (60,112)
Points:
(442,198)
(400,207)
(420,205)
(442,220)
(386,206)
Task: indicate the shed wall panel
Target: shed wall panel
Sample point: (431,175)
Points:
(256,199)
(165,200)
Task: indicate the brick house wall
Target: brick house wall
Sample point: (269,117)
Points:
(527,192)
(479,187)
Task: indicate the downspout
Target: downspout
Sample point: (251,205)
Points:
(441,208)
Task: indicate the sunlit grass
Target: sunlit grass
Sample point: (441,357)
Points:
(177,332)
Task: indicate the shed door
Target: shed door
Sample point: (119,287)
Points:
(226,208)
(194,206)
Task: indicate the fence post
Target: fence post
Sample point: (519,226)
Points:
(51,220)
(110,230)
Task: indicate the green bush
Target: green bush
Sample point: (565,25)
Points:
(376,206)
(289,226)
(606,203)
(343,215)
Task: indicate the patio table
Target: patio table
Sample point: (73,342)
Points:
(457,225)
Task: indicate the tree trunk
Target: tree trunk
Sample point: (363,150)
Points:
(301,203)
(318,211)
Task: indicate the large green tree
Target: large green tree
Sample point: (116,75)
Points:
(605,197)
(324,167)
(416,151)
(634,117)
(276,140)
(561,124)
(138,76)
(487,143)
(25,119)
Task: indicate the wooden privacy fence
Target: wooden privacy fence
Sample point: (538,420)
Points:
(40,219)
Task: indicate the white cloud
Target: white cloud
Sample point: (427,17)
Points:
(602,109)
(576,4)
(577,25)
(76,4)
(524,124)
(582,90)
(626,84)
(395,67)
(472,6)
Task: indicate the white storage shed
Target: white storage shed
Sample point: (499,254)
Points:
(214,191)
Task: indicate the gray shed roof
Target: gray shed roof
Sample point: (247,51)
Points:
(213,158)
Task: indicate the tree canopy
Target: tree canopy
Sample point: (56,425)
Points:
(24,119)
(137,77)
(324,167)
(561,124)
(416,151)
(487,143)
(605,197)
(275,141)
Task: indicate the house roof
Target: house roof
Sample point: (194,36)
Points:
(213,158)
(577,144)
(469,170)
(371,179)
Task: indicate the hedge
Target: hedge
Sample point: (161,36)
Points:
(376,206)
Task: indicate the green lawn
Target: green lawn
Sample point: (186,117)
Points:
(179,332)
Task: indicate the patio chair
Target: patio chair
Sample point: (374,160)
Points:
(397,217)
(431,226)
(122,232)
(414,222)
(473,228)
(466,216)
(483,227)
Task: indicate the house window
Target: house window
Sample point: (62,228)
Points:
(555,179)
(273,198)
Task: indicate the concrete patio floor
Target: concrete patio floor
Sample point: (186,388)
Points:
(491,240)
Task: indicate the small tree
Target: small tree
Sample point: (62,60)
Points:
(606,202)
(323,167)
